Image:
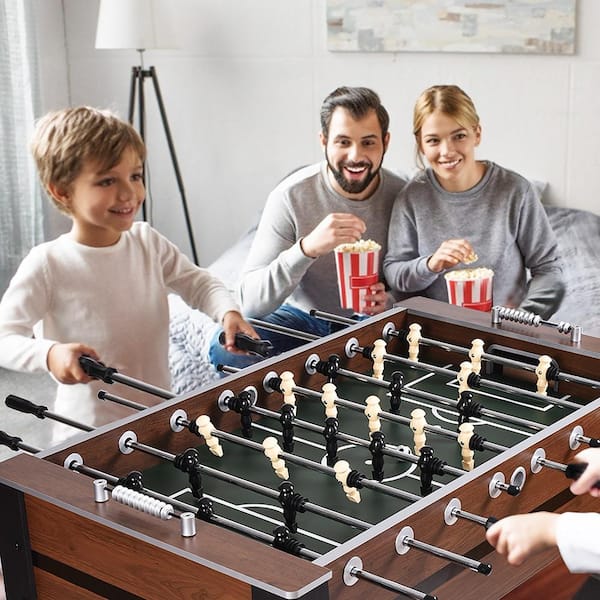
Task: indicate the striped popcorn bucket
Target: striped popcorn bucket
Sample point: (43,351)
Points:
(470,288)
(356,272)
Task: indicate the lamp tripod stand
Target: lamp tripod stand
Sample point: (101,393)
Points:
(138,76)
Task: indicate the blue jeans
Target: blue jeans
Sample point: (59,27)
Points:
(285,316)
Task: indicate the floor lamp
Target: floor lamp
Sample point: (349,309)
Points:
(137,24)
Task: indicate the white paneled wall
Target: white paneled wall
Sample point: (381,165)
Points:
(243,92)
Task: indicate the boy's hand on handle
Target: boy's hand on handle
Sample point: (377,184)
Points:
(587,481)
(380,297)
(251,345)
(449,254)
(333,230)
(521,536)
(233,323)
(63,362)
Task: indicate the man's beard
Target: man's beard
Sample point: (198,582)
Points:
(353,187)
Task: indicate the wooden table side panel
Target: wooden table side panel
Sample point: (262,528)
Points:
(554,581)
(129,563)
(56,528)
(50,587)
(506,577)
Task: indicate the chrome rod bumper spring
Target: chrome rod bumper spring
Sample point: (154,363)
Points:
(503,313)
(142,502)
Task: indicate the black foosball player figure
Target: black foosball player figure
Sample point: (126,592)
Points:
(189,462)
(329,367)
(133,481)
(467,408)
(395,390)
(429,465)
(292,503)
(283,540)
(376,449)
(286,418)
(575,535)
(242,404)
(330,431)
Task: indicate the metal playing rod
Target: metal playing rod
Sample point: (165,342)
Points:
(567,377)
(98,370)
(42,412)
(571,470)
(309,337)
(441,399)
(250,485)
(315,466)
(104,395)
(486,412)
(74,464)
(454,511)
(405,539)
(16,443)
(354,571)
(485,382)
(331,317)
(392,417)
(387,450)
(347,403)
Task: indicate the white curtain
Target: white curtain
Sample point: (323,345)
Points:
(21,210)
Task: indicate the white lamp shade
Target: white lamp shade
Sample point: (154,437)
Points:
(139,24)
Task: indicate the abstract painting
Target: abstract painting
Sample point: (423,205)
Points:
(507,26)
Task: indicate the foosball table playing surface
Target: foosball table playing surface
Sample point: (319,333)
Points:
(337,470)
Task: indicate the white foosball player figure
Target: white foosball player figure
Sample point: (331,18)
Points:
(377,356)
(413,338)
(466,368)
(417,424)
(205,429)
(342,470)
(464,437)
(272,452)
(372,410)
(329,398)
(541,371)
(475,355)
(286,386)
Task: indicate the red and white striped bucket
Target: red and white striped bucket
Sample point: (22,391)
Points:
(470,288)
(356,272)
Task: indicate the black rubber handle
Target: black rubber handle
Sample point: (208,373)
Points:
(513,490)
(249,344)
(26,406)
(96,369)
(574,471)
(8,440)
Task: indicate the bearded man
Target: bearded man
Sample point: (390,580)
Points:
(348,196)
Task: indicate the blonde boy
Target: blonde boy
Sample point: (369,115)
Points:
(102,288)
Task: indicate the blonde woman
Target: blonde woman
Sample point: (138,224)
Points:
(458,207)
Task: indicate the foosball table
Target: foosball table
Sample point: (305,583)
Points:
(368,462)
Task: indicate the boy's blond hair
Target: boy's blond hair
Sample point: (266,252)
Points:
(66,139)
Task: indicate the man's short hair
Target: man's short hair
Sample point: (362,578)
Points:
(358,101)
